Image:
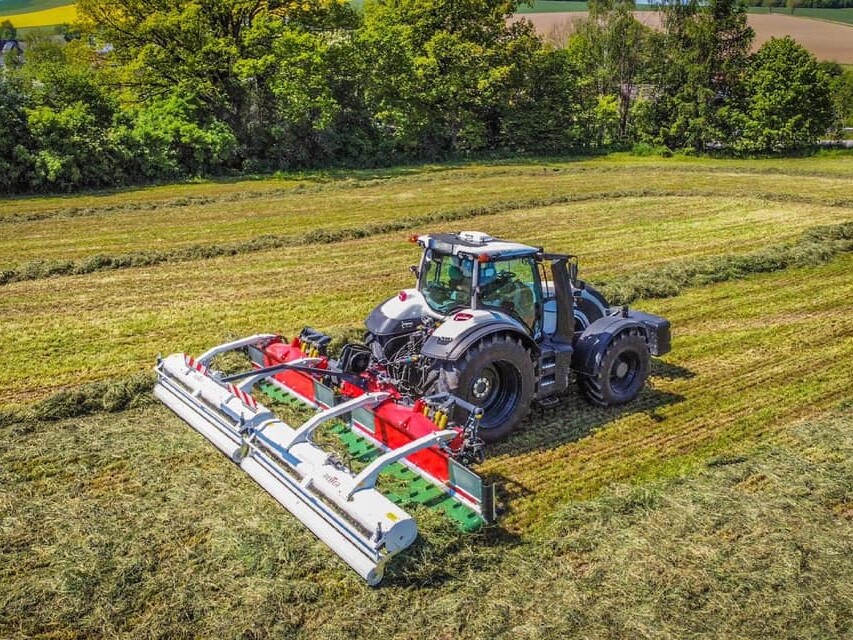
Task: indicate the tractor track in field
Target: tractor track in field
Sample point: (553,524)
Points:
(39,269)
(544,490)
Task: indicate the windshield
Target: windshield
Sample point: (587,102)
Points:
(446,282)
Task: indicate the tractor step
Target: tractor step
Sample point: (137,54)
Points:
(554,364)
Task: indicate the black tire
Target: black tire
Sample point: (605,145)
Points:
(621,372)
(497,375)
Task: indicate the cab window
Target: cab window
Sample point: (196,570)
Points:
(446,282)
(510,286)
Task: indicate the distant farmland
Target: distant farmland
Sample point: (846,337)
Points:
(819,30)
(826,40)
(43,13)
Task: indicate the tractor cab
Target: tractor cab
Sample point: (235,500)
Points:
(472,270)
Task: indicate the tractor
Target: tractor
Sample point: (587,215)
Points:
(502,324)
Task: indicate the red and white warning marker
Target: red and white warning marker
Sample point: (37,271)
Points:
(192,363)
(244,397)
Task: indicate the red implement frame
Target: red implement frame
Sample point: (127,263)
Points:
(390,424)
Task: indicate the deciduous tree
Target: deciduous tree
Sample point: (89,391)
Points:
(611,47)
(697,71)
(789,103)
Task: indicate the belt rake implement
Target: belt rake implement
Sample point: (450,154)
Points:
(491,327)
(342,508)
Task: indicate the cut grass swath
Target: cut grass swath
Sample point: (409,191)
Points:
(815,247)
(122,231)
(38,269)
(92,329)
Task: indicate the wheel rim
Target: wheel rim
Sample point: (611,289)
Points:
(496,389)
(624,372)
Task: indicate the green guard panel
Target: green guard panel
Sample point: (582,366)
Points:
(280,396)
(403,486)
(469,482)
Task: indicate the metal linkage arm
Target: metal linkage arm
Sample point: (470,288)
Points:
(368,476)
(303,433)
(303,366)
(251,378)
(210,354)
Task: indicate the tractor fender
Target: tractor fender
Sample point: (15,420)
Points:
(595,339)
(460,332)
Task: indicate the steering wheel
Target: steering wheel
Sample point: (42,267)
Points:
(502,279)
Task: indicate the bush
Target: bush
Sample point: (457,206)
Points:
(644,149)
(173,140)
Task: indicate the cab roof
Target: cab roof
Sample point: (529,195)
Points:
(473,244)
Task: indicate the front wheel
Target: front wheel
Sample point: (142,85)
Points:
(621,371)
(495,374)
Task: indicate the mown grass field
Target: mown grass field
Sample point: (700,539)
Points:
(720,504)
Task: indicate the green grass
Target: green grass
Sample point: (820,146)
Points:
(719,504)
(109,323)
(134,527)
(844,16)
(100,325)
(552,6)
(63,229)
(832,15)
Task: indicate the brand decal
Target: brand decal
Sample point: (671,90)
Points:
(332,480)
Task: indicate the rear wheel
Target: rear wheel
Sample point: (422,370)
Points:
(495,374)
(621,372)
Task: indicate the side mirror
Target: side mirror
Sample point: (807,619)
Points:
(414,269)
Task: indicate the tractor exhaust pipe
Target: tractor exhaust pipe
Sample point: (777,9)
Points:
(565,302)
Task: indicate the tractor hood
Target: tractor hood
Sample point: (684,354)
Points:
(398,315)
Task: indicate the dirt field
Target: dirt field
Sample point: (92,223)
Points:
(828,41)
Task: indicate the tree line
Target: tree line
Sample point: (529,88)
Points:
(143,92)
